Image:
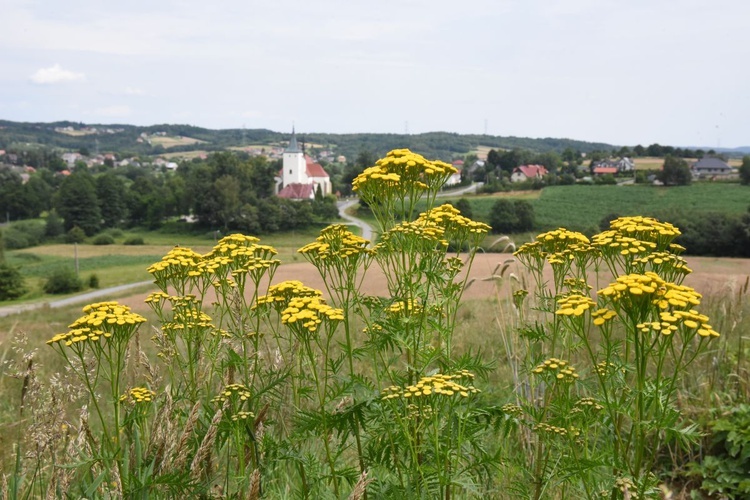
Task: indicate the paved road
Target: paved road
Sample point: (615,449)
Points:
(367,231)
(69,301)
(364,226)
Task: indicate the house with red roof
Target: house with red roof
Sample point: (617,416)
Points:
(528,172)
(605,170)
(300,175)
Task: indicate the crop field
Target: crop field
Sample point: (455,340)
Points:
(186,155)
(583,207)
(170,142)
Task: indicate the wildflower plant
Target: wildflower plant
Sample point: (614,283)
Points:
(638,334)
(276,389)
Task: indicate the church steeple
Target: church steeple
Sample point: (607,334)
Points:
(293,147)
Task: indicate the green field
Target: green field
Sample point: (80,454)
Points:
(583,207)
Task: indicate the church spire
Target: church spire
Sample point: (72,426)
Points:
(292,148)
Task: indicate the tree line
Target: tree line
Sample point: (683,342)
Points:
(226,191)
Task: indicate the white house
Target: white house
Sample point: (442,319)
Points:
(526,172)
(300,175)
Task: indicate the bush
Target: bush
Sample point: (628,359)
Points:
(53,225)
(75,235)
(14,240)
(135,240)
(24,234)
(63,280)
(11,282)
(115,233)
(93,281)
(104,239)
(512,216)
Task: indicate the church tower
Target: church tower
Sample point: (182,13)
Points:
(295,166)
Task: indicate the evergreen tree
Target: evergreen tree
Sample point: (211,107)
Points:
(77,203)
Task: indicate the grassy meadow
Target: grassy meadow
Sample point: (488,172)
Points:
(119,264)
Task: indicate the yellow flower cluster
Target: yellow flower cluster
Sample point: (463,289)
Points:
(455,226)
(335,241)
(281,293)
(434,385)
(187,319)
(309,312)
(644,228)
(559,247)
(101,319)
(588,403)
(232,392)
(665,263)
(138,395)
(574,305)
(177,264)
(557,367)
(675,302)
(242,415)
(602,368)
(403,171)
(577,284)
(613,241)
(691,319)
(426,232)
(512,410)
(405,308)
(242,254)
(544,428)
(601,316)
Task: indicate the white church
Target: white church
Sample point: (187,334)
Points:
(300,175)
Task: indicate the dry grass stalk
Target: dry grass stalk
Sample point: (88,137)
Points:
(181,452)
(5,492)
(162,430)
(254,490)
(361,487)
(204,452)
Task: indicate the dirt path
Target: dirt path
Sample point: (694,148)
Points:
(711,275)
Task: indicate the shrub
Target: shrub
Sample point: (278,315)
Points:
(53,225)
(24,234)
(75,235)
(134,240)
(11,282)
(724,470)
(115,233)
(93,281)
(104,239)
(15,241)
(63,280)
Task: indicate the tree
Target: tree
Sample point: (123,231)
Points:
(524,215)
(110,190)
(745,170)
(464,206)
(675,172)
(503,216)
(77,203)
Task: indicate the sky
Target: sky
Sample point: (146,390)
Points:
(622,72)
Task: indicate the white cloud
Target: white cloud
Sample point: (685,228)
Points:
(134,91)
(117,110)
(56,74)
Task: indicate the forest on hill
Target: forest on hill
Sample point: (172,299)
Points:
(122,138)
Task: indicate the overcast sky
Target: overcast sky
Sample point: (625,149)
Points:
(624,72)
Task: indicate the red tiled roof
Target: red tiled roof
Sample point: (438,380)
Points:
(297,191)
(531,170)
(458,162)
(605,170)
(314,169)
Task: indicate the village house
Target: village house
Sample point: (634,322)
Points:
(300,175)
(620,165)
(528,172)
(712,168)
